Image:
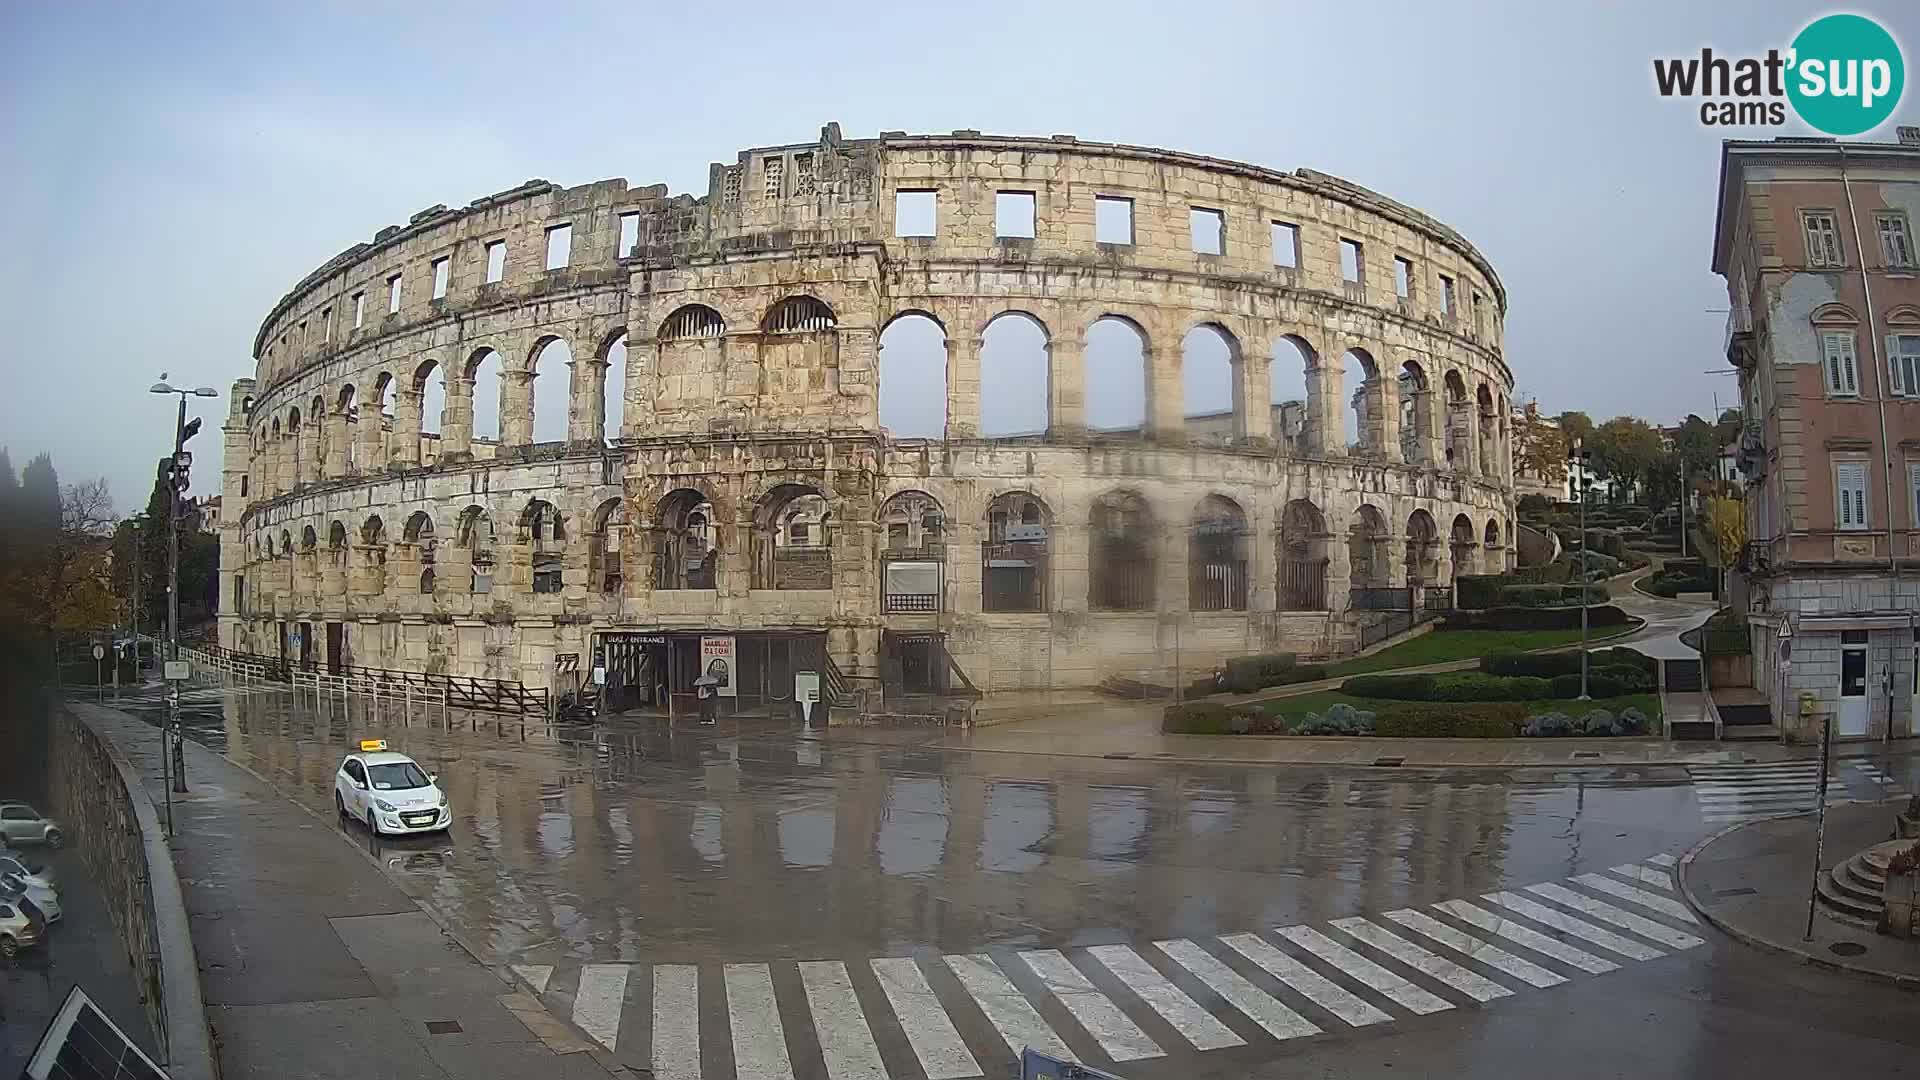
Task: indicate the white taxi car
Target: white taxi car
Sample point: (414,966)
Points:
(389,791)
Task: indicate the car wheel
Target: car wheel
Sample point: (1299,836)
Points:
(339,808)
(8,947)
(55,838)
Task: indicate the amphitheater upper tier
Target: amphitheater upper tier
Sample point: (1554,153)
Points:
(764,478)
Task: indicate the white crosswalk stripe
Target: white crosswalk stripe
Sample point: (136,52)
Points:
(759,1040)
(1195,1024)
(1658,878)
(851,1026)
(1607,913)
(1662,859)
(1256,1004)
(1120,1037)
(1006,1008)
(1730,793)
(942,1054)
(1579,928)
(1492,956)
(1477,987)
(1654,901)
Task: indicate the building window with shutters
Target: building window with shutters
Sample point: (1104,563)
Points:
(1850,494)
(1843,370)
(1823,238)
(1896,245)
(1903,365)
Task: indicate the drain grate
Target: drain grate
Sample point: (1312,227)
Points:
(1586,753)
(1846,948)
(1118,756)
(444,1027)
(1388,762)
(1741,891)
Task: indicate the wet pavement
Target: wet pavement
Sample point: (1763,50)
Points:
(627,867)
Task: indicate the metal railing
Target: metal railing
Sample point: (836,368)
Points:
(456,691)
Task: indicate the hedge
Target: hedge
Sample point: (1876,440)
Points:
(1598,685)
(1462,686)
(1218,718)
(1507,590)
(1547,665)
(1518,618)
(1494,720)
(1245,674)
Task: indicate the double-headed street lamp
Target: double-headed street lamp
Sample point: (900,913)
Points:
(175,471)
(1580,483)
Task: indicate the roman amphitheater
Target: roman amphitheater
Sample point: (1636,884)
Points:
(925,414)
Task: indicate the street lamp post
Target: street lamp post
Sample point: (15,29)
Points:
(176,473)
(1577,470)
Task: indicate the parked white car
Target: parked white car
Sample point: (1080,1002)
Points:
(34,872)
(44,897)
(389,791)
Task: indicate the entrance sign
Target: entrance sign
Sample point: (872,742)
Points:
(806,691)
(177,671)
(99,652)
(718,662)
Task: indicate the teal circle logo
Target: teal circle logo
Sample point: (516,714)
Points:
(1847,74)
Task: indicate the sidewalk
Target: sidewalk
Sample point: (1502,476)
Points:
(313,964)
(1752,881)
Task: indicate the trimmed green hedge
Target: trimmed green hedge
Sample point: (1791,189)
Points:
(1492,720)
(1218,718)
(1547,665)
(1536,589)
(1602,682)
(1599,684)
(1519,618)
(1245,674)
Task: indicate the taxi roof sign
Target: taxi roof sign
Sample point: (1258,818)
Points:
(373,746)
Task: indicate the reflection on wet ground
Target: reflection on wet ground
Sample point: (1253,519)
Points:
(632,842)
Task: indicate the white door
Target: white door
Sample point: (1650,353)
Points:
(1852,720)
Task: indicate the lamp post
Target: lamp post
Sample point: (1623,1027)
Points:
(176,472)
(1577,473)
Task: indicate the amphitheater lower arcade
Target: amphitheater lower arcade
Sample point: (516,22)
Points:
(733,478)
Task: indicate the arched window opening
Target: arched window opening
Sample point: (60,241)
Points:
(286,544)
(483,380)
(1360,376)
(1115,386)
(1014,564)
(1423,549)
(1120,558)
(687,550)
(913,378)
(609,546)
(1416,413)
(418,531)
(430,382)
(549,391)
(308,539)
(692,321)
(337,544)
(1489,432)
(1493,534)
(793,540)
(380,421)
(540,530)
(476,536)
(1461,542)
(1210,386)
(373,531)
(1217,556)
(799,315)
(913,561)
(1367,552)
(613,403)
(1459,424)
(1292,394)
(426,581)
(1014,383)
(1303,557)
(347,404)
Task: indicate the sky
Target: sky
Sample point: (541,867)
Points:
(171,170)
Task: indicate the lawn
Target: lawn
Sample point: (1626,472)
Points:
(1294,708)
(1444,645)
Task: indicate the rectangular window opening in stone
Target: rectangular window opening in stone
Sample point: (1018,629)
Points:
(359,310)
(803,176)
(326,324)
(1013,214)
(1479,313)
(1896,245)
(1823,238)
(914,213)
(1112,220)
(496,261)
(440,278)
(773,171)
(1286,244)
(1403,277)
(629,234)
(303,331)
(1843,378)
(1353,262)
(1446,295)
(730,187)
(393,294)
(1208,230)
(559,246)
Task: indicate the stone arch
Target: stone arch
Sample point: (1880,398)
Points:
(430,383)
(1211,389)
(1217,549)
(476,536)
(1416,413)
(286,543)
(1120,559)
(419,527)
(1302,584)
(1367,549)
(792,543)
(1459,424)
(373,531)
(1488,429)
(483,384)
(1493,538)
(1462,543)
(913,376)
(913,523)
(1365,417)
(686,541)
(549,390)
(691,321)
(913,530)
(1014,573)
(1016,356)
(1117,376)
(613,386)
(309,540)
(607,546)
(337,543)
(1294,395)
(801,314)
(1422,549)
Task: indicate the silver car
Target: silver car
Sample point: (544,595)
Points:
(13,887)
(33,872)
(17,930)
(22,824)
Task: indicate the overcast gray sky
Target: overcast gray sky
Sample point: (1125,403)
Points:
(172,169)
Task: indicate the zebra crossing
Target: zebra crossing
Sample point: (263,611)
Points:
(963,1015)
(1741,792)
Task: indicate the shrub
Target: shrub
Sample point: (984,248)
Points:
(1490,720)
(1194,718)
(1632,721)
(1531,596)
(1533,506)
(1479,590)
(1339,719)
(1617,661)
(1547,725)
(1461,686)
(1404,687)
(1554,618)
(1245,674)
(1599,722)
(1567,687)
(1633,680)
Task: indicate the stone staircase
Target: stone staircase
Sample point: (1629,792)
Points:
(1853,891)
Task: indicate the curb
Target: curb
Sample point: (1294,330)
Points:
(189,1045)
(1897,979)
(503,972)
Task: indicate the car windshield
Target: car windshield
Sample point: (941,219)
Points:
(396,776)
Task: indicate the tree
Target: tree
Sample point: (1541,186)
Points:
(1726,526)
(1540,449)
(1575,425)
(1627,449)
(39,509)
(61,582)
(1697,447)
(140,550)
(1727,428)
